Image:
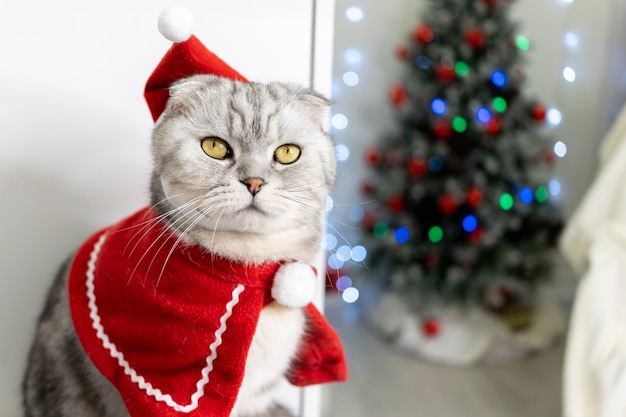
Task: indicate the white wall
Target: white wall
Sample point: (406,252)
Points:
(74,128)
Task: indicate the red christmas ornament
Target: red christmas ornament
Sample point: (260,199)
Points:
(538,112)
(398,95)
(431,327)
(447,204)
(492,127)
(396,203)
(423,34)
(441,129)
(367,188)
(476,235)
(417,166)
(402,52)
(475,37)
(373,156)
(445,74)
(490,2)
(431,260)
(474,196)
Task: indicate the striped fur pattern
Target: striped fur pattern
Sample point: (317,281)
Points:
(207,201)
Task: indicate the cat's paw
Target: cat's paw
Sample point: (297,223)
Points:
(295,284)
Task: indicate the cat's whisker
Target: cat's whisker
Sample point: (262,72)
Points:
(199,217)
(164,232)
(297,200)
(344,224)
(155,222)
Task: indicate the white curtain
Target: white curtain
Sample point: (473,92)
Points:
(594,243)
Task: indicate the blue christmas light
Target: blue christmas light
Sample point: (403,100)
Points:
(483,115)
(438,106)
(526,195)
(498,78)
(422,62)
(435,163)
(470,223)
(402,235)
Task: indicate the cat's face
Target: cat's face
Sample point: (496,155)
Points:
(244,157)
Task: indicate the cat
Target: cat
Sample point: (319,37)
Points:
(241,171)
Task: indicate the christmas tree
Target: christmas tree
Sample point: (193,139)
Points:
(461,211)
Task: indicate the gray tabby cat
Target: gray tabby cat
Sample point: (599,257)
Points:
(242,169)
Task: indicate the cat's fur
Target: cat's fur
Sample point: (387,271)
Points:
(205,202)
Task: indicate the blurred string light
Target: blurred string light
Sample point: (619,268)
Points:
(569,74)
(354,14)
(351,79)
(402,235)
(459,124)
(483,115)
(571,40)
(342,153)
(470,223)
(339,121)
(526,195)
(560,149)
(438,106)
(554,116)
(343,283)
(554,187)
(352,56)
(350,295)
(338,256)
(498,78)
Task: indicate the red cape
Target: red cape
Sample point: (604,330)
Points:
(171,329)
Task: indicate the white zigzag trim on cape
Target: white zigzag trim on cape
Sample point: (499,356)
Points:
(128,370)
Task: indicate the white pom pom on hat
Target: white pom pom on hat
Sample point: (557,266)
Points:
(176,23)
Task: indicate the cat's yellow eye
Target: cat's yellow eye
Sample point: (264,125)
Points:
(287,154)
(216,148)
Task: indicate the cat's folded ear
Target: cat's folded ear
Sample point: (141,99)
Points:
(315,102)
(184,94)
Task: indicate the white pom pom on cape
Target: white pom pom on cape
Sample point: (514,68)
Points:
(295,285)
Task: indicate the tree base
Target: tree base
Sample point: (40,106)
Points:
(463,337)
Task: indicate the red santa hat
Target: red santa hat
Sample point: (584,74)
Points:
(187,57)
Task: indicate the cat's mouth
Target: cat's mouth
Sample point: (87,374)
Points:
(252,208)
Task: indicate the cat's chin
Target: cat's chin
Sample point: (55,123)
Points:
(252,246)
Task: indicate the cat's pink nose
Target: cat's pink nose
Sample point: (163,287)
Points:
(254,185)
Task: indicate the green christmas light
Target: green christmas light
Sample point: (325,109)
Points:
(461,69)
(506,201)
(499,104)
(381,230)
(522,43)
(435,234)
(541,194)
(459,124)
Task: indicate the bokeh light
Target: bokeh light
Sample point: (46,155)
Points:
(354,14)
(506,201)
(350,295)
(470,223)
(435,234)
(402,234)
